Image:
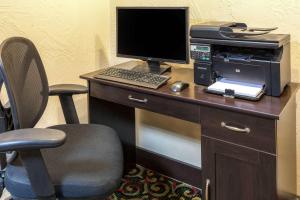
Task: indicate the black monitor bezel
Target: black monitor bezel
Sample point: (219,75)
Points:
(186,61)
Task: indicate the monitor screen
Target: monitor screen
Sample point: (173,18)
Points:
(158,34)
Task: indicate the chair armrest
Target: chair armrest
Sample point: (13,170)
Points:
(65,93)
(31,139)
(67,89)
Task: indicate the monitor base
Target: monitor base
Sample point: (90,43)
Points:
(152,67)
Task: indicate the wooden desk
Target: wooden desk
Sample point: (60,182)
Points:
(236,165)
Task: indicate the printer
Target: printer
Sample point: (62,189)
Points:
(238,61)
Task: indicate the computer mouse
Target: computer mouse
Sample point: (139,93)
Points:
(178,86)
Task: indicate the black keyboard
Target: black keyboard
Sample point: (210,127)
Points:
(143,79)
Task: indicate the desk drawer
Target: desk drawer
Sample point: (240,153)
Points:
(163,105)
(241,129)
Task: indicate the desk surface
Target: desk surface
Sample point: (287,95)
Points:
(269,107)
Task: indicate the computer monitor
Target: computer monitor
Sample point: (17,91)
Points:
(154,35)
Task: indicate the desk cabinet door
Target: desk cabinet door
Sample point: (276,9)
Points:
(232,172)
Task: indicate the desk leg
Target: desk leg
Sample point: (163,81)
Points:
(122,119)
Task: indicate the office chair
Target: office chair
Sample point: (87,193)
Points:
(71,161)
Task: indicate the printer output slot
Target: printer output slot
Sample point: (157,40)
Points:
(237,57)
(239,64)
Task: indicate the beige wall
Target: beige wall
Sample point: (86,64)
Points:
(72,37)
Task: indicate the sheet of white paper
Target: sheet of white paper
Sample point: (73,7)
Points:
(244,89)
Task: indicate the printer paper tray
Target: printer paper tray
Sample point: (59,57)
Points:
(246,91)
(257,98)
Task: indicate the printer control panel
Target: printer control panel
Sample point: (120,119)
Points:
(201,52)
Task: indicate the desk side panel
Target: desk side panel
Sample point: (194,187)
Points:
(286,149)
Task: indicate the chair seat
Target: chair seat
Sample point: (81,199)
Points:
(89,164)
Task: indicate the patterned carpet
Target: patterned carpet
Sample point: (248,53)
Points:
(144,184)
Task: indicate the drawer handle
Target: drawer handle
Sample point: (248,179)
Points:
(206,189)
(137,100)
(232,128)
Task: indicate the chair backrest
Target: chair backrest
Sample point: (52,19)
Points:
(25,79)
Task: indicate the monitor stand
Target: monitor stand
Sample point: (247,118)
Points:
(154,67)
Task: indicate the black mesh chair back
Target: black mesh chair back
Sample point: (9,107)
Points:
(24,76)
